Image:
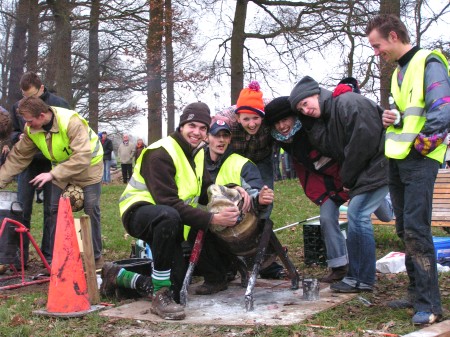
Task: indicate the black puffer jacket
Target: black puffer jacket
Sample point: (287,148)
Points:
(350,131)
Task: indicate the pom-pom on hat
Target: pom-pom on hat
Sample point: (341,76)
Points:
(305,88)
(278,109)
(196,112)
(250,100)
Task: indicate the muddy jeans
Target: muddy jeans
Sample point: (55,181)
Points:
(411,184)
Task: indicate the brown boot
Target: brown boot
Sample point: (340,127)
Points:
(165,307)
(336,274)
(109,279)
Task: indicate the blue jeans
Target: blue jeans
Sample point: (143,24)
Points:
(360,239)
(385,212)
(331,234)
(265,167)
(91,208)
(411,183)
(106,171)
(25,194)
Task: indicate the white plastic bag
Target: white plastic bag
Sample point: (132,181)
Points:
(394,262)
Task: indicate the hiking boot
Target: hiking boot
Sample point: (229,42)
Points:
(342,287)
(109,279)
(336,274)
(421,317)
(3,268)
(165,307)
(210,288)
(402,303)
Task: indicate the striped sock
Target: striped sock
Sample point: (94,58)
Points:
(160,279)
(127,279)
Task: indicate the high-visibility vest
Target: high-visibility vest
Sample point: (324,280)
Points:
(61,150)
(230,171)
(410,100)
(188,181)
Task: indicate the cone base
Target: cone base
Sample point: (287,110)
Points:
(93,308)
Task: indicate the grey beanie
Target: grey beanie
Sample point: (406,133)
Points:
(303,89)
(196,112)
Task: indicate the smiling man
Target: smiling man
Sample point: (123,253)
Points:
(415,146)
(159,205)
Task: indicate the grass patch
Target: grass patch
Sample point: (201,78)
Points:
(291,205)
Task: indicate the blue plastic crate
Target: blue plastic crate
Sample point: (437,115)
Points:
(442,248)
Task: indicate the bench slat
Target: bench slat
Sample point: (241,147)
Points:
(441,203)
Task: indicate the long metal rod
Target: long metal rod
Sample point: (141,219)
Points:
(195,254)
(297,223)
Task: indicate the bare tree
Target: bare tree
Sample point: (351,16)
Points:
(6,35)
(386,68)
(62,10)
(19,46)
(154,69)
(170,76)
(93,68)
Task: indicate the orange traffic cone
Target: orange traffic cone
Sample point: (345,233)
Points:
(67,293)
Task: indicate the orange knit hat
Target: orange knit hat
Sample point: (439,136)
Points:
(250,100)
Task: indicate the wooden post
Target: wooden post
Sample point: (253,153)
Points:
(89,260)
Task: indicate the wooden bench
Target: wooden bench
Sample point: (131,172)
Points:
(441,203)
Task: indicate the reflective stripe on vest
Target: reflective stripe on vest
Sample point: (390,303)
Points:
(61,150)
(230,171)
(410,100)
(188,181)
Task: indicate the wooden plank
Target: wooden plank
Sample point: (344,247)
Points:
(441,203)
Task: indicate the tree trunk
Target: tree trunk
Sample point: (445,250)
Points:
(154,72)
(33,36)
(386,68)
(237,49)
(19,49)
(170,84)
(63,37)
(93,67)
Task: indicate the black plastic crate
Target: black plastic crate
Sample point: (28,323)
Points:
(313,245)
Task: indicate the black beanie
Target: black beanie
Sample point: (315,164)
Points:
(305,88)
(278,109)
(196,112)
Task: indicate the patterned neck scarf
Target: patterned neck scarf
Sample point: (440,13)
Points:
(286,139)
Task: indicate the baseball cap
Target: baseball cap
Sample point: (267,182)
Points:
(219,125)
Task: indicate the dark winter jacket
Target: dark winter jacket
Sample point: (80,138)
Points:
(318,175)
(107,148)
(350,131)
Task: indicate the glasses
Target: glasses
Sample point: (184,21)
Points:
(28,120)
(25,94)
